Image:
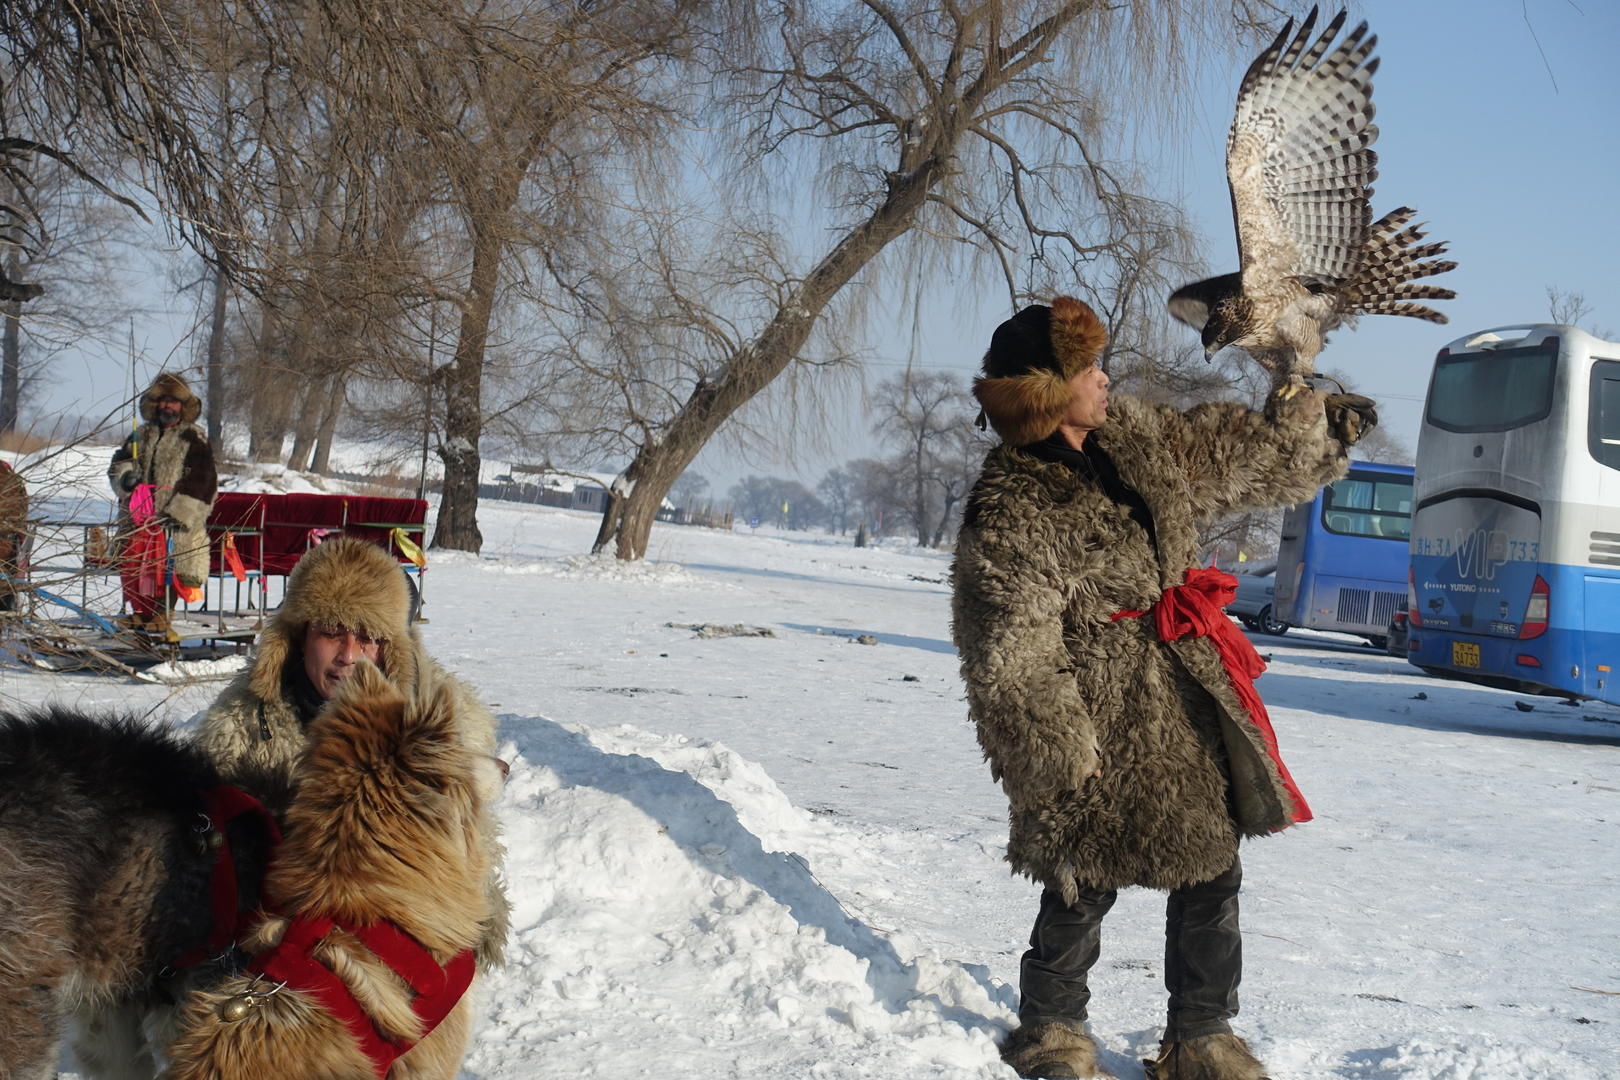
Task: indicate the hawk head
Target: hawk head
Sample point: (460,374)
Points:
(1231,322)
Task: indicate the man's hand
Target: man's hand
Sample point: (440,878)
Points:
(1350,416)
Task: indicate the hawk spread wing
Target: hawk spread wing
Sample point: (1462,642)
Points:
(1300,166)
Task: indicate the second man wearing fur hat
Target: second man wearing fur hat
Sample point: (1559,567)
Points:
(170,455)
(1109,697)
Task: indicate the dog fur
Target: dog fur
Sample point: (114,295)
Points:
(384,825)
(103,880)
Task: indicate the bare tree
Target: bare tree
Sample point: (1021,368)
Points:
(1567,306)
(980,125)
(836,489)
(917,413)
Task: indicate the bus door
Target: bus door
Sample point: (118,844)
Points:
(1286,603)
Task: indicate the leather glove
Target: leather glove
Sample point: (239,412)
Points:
(1350,416)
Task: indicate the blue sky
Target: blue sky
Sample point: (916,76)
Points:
(1508,148)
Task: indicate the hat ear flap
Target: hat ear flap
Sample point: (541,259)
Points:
(1024,408)
(271,656)
(1078,336)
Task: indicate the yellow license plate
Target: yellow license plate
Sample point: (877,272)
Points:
(1465,654)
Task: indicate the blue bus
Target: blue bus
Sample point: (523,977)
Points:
(1341,563)
(1515,577)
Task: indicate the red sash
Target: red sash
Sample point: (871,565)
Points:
(1194,609)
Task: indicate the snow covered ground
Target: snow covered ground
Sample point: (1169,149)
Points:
(780,856)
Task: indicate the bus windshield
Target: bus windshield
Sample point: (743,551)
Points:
(1369,504)
(1493,391)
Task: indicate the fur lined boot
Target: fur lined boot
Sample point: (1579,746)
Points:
(1052,1052)
(1208,1057)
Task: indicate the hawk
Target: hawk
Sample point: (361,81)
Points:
(1300,167)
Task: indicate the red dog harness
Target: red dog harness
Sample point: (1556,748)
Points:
(437,988)
(1193,609)
(223,805)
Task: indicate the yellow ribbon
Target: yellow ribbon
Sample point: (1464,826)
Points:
(410,550)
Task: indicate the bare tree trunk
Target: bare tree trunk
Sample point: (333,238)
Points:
(273,391)
(612,512)
(10,351)
(308,426)
(335,399)
(457,525)
(216,364)
(656,467)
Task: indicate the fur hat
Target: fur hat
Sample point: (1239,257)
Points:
(346,582)
(1025,386)
(169,384)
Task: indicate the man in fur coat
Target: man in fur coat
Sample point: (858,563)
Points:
(169,452)
(346,600)
(1110,699)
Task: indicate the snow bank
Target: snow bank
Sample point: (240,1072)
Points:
(670,919)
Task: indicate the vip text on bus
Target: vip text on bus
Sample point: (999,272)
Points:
(1515,554)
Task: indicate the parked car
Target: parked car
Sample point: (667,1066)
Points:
(1395,639)
(1252,605)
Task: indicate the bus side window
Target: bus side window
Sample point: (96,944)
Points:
(1603,426)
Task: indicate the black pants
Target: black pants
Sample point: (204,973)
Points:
(1203,957)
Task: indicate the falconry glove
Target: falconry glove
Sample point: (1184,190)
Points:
(1350,416)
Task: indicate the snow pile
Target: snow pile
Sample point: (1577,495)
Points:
(669,913)
(603,567)
(183,672)
(273,479)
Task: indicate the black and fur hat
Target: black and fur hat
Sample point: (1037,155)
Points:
(1025,386)
(168,384)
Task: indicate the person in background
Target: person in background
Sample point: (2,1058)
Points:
(13,533)
(165,480)
(1112,695)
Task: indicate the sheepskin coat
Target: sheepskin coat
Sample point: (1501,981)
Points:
(1057,688)
(178,462)
(255,728)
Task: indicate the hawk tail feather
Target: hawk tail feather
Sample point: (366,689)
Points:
(1416,311)
(1392,264)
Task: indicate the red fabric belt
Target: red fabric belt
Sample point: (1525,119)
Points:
(1194,609)
(223,805)
(437,988)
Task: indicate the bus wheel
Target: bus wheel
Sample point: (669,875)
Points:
(1269,625)
(1379,642)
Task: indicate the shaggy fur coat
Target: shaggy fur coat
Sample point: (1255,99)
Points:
(178,462)
(1057,689)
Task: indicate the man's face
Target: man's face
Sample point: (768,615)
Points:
(330,653)
(168,410)
(1088,399)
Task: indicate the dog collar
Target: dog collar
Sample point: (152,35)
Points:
(221,806)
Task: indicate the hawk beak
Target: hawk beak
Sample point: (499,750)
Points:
(1210,351)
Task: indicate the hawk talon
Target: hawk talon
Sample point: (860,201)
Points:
(1291,389)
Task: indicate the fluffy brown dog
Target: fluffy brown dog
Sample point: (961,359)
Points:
(110,831)
(384,829)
